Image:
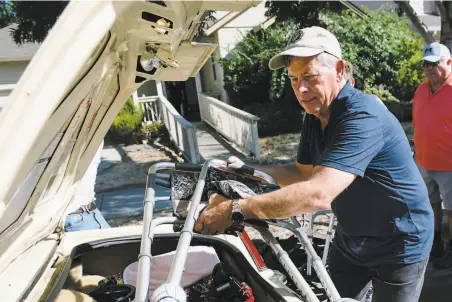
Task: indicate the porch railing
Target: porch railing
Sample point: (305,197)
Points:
(238,126)
(181,131)
(150,108)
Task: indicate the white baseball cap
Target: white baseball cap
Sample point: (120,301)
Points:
(433,52)
(308,42)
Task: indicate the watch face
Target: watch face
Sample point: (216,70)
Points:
(237,217)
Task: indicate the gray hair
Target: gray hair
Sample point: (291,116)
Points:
(325,59)
(348,73)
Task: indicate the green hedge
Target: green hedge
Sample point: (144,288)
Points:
(127,124)
(384,51)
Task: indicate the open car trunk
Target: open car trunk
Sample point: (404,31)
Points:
(92,262)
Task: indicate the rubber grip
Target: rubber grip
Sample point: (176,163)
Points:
(188,167)
(244,170)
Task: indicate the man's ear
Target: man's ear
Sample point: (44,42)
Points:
(340,69)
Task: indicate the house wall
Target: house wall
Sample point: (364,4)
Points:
(148,89)
(211,73)
(424,7)
(10,73)
(227,38)
(233,32)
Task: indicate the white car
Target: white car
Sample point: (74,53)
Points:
(97,54)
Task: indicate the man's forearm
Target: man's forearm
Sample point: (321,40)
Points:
(289,201)
(285,174)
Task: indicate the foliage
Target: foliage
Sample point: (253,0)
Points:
(127,123)
(246,73)
(277,118)
(384,51)
(382,93)
(151,130)
(6,13)
(410,73)
(34,19)
(305,13)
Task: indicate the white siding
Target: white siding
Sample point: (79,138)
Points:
(10,72)
(233,32)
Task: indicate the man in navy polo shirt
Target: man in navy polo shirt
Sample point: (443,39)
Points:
(355,158)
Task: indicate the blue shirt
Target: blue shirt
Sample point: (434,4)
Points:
(384,216)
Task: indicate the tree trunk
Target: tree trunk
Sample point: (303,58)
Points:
(420,26)
(445,9)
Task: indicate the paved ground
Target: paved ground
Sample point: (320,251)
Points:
(128,202)
(109,156)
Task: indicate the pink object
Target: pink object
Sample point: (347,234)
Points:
(200,263)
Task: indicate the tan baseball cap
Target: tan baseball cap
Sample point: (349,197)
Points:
(308,42)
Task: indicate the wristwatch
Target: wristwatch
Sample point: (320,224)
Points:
(237,216)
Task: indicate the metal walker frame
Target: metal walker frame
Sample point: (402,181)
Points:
(171,290)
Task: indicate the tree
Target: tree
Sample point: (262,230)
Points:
(34,19)
(253,87)
(6,14)
(306,13)
(417,22)
(445,9)
(383,50)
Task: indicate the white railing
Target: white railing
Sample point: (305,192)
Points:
(181,131)
(150,108)
(238,126)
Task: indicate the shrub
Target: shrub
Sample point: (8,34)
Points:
(126,125)
(383,49)
(152,130)
(247,77)
(276,118)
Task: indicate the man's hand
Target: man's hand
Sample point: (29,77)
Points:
(235,162)
(216,217)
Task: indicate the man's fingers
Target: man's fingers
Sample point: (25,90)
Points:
(232,159)
(199,225)
(213,196)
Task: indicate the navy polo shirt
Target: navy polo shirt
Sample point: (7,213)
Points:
(384,216)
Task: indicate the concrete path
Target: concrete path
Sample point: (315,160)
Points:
(109,156)
(212,145)
(124,203)
(129,202)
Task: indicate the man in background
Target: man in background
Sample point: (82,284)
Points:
(432,123)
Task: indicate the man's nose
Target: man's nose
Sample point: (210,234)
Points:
(303,86)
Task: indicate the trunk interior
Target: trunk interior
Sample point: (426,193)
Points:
(94,261)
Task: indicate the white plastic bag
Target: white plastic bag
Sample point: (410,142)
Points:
(200,263)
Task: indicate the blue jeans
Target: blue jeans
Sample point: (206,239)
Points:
(88,220)
(390,282)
